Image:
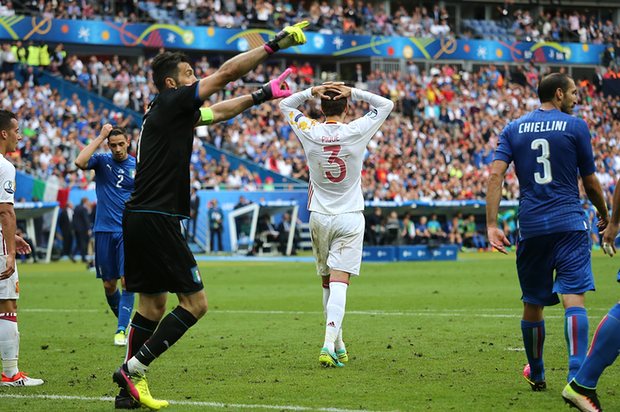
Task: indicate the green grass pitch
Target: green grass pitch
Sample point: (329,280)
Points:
(440,336)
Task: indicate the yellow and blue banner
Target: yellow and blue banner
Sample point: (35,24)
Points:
(109,33)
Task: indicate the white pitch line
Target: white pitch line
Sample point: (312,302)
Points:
(185,403)
(485,313)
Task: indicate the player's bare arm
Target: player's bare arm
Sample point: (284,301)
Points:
(496,236)
(241,64)
(611,231)
(593,189)
(82,159)
(8,222)
(227,109)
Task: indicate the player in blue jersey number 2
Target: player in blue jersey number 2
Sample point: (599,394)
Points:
(550,150)
(114,176)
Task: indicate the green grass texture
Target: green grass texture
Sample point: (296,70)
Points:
(437,336)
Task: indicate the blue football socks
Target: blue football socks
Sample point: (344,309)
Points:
(576,334)
(125,307)
(533,341)
(603,351)
(113,301)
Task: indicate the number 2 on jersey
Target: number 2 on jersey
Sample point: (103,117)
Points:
(334,159)
(120,180)
(543,159)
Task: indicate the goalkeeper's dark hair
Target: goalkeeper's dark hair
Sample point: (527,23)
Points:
(333,107)
(550,84)
(5,119)
(165,65)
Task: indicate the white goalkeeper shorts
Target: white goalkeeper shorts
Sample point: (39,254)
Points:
(337,242)
(9,288)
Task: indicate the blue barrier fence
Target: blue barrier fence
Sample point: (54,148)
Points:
(409,253)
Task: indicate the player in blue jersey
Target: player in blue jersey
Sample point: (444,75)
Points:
(550,150)
(114,176)
(605,347)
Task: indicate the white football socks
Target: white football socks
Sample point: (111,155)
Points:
(335,313)
(9,347)
(339,342)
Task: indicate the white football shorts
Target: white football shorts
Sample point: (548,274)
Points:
(337,242)
(9,288)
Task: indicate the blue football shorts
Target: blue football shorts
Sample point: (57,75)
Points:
(109,255)
(566,253)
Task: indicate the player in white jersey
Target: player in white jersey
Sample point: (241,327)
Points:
(335,153)
(9,281)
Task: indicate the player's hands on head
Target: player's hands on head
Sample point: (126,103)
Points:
(337,87)
(288,37)
(345,91)
(497,239)
(105,130)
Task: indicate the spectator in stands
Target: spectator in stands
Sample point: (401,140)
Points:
(472,237)
(215,217)
(408,233)
(82,227)
(393,229)
(435,229)
(244,221)
(375,229)
(422,234)
(456,229)
(508,220)
(65,225)
(284,229)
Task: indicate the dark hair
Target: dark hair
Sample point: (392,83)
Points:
(167,65)
(5,119)
(333,107)
(550,83)
(118,131)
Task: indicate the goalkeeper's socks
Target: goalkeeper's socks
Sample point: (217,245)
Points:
(533,341)
(603,351)
(170,330)
(576,333)
(140,330)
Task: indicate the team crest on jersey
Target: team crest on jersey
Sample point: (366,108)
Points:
(9,187)
(132,173)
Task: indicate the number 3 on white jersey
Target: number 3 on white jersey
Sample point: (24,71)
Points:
(334,159)
(543,159)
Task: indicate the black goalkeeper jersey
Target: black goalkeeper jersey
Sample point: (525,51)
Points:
(164,150)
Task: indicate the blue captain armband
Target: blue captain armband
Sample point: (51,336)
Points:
(206,115)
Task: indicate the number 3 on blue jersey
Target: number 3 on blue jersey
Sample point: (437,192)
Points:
(543,159)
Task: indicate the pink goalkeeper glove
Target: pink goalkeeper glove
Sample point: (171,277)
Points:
(275,89)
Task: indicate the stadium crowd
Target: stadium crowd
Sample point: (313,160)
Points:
(437,144)
(526,23)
